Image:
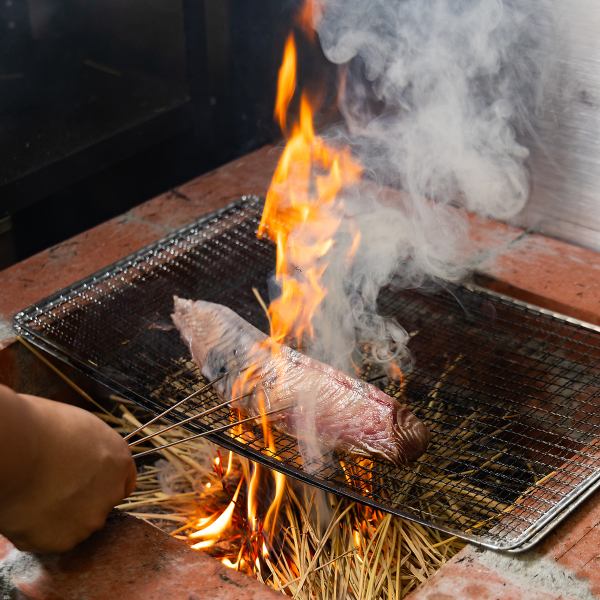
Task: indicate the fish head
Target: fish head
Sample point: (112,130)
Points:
(411,435)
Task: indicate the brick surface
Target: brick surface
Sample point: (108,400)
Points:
(490,239)
(550,273)
(466,577)
(127,559)
(570,554)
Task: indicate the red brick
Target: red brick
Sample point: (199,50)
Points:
(590,571)
(131,559)
(491,238)
(250,174)
(572,532)
(550,273)
(49,271)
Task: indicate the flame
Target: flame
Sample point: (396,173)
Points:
(213,531)
(396,374)
(251,501)
(229,464)
(203,544)
(358,474)
(286,82)
(231,565)
(237,564)
(302,215)
(279,480)
(202,521)
(309,16)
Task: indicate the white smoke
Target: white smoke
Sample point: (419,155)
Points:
(437,97)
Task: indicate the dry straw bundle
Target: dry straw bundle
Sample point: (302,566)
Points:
(320,547)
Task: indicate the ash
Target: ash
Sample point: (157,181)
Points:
(17,567)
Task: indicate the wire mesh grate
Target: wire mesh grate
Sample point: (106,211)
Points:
(511,394)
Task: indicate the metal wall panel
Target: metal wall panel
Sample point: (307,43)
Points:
(565,199)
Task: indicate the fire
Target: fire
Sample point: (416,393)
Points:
(229,464)
(279,480)
(302,214)
(286,85)
(309,16)
(211,532)
(251,501)
(396,374)
(359,474)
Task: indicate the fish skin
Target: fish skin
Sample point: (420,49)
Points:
(350,415)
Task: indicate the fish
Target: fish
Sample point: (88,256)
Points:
(347,414)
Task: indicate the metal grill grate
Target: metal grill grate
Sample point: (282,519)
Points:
(510,393)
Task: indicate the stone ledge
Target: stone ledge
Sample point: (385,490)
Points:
(126,559)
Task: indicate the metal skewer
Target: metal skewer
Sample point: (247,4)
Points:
(177,404)
(211,431)
(171,408)
(192,418)
(199,415)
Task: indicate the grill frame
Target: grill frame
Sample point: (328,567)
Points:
(25,324)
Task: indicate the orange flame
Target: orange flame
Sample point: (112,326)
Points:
(279,479)
(309,16)
(302,214)
(211,533)
(396,374)
(251,500)
(234,565)
(286,83)
(229,464)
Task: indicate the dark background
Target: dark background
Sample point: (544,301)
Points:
(105,104)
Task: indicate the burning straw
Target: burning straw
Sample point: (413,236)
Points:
(314,545)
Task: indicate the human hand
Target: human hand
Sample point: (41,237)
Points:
(71,470)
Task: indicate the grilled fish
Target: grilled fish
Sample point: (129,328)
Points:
(349,415)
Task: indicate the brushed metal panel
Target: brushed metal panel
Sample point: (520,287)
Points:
(565,162)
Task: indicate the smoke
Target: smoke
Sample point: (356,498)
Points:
(437,97)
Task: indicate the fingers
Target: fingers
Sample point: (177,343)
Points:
(85,468)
